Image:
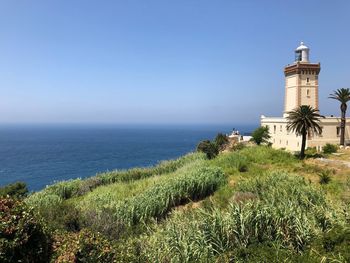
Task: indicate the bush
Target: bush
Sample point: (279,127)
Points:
(221,140)
(209,148)
(311,152)
(330,148)
(325,177)
(15,190)
(261,135)
(82,247)
(238,146)
(23,238)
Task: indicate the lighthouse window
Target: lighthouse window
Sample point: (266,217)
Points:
(298,55)
(307,80)
(308,92)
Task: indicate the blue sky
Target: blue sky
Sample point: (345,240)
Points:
(163,61)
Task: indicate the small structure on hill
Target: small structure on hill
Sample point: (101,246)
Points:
(301,88)
(237,137)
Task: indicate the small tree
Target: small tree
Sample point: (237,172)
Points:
(343,96)
(209,148)
(261,135)
(221,141)
(303,120)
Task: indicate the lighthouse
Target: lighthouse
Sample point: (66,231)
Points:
(301,81)
(301,88)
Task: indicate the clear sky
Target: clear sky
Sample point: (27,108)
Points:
(148,61)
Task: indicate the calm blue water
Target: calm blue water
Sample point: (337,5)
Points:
(40,155)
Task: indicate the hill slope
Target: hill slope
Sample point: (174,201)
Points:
(253,205)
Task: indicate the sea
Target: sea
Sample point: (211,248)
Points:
(40,155)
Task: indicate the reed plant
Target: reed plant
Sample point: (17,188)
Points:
(285,210)
(156,201)
(77,187)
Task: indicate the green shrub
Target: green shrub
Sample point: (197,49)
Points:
(23,238)
(82,247)
(261,135)
(15,190)
(330,148)
(238,146)
(325,177)
(311,152)
(221,140)
(209,148)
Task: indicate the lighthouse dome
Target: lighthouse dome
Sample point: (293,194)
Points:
(302,47)
(302,53)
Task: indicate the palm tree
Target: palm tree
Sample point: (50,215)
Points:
(343,96)
(302,120)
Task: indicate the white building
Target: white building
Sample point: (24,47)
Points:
(301,88)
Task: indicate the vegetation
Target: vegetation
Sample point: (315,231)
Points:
(330,148)
(22,236)
(254,204)
(221,140)
(212,148)
(287,211)
(209,148)
(156,201)
(325,177)
(302,121)
(261,135)
(15,190)
(343,96)
(84,246)
(73,188)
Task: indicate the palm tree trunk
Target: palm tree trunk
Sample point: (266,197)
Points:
(342,127)
(303,144)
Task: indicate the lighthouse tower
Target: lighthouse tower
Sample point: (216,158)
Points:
(301,81)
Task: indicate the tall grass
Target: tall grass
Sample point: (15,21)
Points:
(268,155)
(77,187)
(286,210)
(156,201)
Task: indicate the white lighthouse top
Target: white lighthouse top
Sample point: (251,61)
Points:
(302,47)
(302,53)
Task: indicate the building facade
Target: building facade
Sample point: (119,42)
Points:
(301,88)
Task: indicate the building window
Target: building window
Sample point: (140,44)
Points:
(307,80)
(308,93)
(320,134)
(280,142)
(298,144)
(274,129)
(287,143)
(338,131)
(280,128)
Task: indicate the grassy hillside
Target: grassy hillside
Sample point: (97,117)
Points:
(256,204)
